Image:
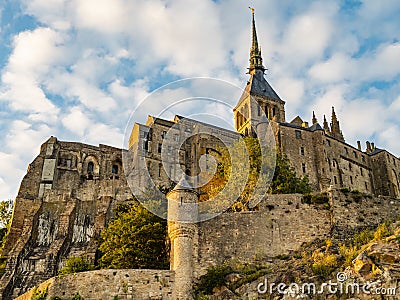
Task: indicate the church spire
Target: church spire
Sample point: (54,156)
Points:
(255,51)
(326,126)
(335,127)
(314,119)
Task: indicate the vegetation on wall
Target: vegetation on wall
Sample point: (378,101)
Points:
(284,179)
(6,208)
(75,265)
(135,239)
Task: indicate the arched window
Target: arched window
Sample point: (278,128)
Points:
(114,169)
(90,167)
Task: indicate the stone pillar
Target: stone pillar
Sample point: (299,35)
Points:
(182,227)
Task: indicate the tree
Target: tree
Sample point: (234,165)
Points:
(284,178)
(136,239)
(5,220)
(75,265)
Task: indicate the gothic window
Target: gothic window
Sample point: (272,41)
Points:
(303,167)
(273,111)
(90,167)
(302,151)
(298,134)
(114,169)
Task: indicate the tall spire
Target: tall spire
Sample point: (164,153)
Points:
(335,127)
(326,126)
(255,51)
(314,119)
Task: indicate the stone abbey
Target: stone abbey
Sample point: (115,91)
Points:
(70,190)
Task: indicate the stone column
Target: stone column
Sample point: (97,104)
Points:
(182,227)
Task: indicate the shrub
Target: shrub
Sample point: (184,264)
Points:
(382,232)
(215,277)
(324,263)
(362,238)
(39,295)
(76,265)
(349,253)
(77,297)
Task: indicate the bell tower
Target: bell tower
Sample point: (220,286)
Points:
(259,100)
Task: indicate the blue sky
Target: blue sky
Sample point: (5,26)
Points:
(76,69)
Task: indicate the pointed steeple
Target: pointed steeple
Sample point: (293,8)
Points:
(335,127)
(314,119)
(326,126)
(255,50)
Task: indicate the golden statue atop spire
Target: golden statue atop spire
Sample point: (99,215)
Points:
(252,10)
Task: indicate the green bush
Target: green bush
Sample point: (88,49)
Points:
(382,232)
(39,295)
(76,265)
(362,238)
(77,297)
(324,263)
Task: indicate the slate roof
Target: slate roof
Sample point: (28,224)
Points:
(258,85)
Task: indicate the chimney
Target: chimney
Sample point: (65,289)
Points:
(359,145)
(368,147)
(373,146)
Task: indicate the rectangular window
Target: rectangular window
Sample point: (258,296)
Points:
(346,150)
(163,134)
(159,148)
(302,151)
(366,186)
(355,154)
(298,134)
(303,166)
(363,158)
(361,170)
(351,179)
(176,137)
(159,170)
(335,179)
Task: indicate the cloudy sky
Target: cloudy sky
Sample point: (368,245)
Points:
(76,69)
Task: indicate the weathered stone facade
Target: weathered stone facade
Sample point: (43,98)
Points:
(65,200)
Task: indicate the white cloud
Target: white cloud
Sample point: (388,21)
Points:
(76,121)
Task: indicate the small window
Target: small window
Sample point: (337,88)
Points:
(90,167)
(335,179)
(328,143)
(69,162)
(351,179)
(159,148)
(366,186)
(346,150)
(163,134)
(145,145)
(303,166)
(114,169)
(355,154)
(159,170)
(323,171)
(258,110)
(349,166)
(298,134)
(363,158)
(176,137)
(302,151)
(361,170)
(169,149)
(274,111)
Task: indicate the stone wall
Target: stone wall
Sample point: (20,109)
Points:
(110,284)
(282,225)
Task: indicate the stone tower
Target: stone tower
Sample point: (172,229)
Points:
(258,97)
(182,228)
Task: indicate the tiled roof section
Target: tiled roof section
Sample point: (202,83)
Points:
(315,127)
(258,85)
